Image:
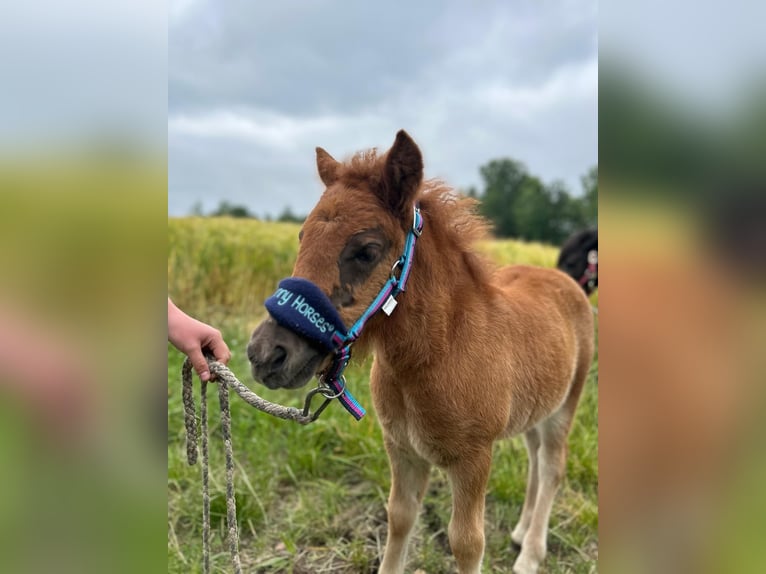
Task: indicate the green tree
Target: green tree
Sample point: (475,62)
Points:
(520,205)
(503,183)
(590,196)
(567,213)
(531,211)
(197,210)
(226,209)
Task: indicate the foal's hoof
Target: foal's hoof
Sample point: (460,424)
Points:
(526,565)
(517,569)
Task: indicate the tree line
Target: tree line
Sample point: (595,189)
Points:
(227,209)
(521,206)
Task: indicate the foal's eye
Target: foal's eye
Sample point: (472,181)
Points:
(367,254)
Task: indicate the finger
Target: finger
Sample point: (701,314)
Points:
(200,364)
(220,349)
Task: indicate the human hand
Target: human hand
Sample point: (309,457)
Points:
(46,367)
(192,337)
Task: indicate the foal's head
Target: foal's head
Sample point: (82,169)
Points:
(348,246)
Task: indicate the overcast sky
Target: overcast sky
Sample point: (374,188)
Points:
(254,87)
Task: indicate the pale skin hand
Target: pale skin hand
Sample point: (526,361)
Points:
(191,336)
(49,369)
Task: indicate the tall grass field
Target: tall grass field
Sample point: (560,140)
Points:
(312,499)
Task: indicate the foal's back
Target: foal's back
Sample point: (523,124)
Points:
(551,328)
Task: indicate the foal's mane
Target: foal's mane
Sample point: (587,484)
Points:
(456,226)
(364,167)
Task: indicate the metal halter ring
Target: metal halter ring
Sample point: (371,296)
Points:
(415,229)
(328,393)
(397,263)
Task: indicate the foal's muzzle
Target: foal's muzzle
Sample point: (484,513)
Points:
(281,359)
(303,328)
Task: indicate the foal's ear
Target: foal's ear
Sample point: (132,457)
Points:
(402,175)
(327,167)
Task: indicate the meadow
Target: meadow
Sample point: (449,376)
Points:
(312,499)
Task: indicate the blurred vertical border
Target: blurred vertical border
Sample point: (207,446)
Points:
(83,205)
(682,212)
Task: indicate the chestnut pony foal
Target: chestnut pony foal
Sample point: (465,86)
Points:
(469,355)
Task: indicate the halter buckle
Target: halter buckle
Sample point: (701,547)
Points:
(397,263)
(415,228)
(327,392)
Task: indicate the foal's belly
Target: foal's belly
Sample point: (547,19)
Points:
(442,427)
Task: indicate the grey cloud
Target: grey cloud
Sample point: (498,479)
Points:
(253,87)
(305,57)
(295,57)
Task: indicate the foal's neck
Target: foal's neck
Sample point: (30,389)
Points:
(446,283)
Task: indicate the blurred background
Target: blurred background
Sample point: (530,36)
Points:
(682,221)
(83,202)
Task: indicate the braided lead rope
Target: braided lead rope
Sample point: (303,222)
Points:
(205,479)
(231,503)
(225,376)
(222,373)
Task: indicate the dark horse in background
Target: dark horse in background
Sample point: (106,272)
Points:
(579,259)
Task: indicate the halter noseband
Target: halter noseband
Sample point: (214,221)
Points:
(316,318)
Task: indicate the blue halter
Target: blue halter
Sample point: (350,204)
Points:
(299,305)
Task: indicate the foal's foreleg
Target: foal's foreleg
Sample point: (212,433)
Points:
(551,466)
(532,440)
(466,528)
(409,479)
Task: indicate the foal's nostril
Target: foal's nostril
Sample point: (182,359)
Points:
(278,357)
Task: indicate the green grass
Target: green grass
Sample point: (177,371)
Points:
(312,499)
